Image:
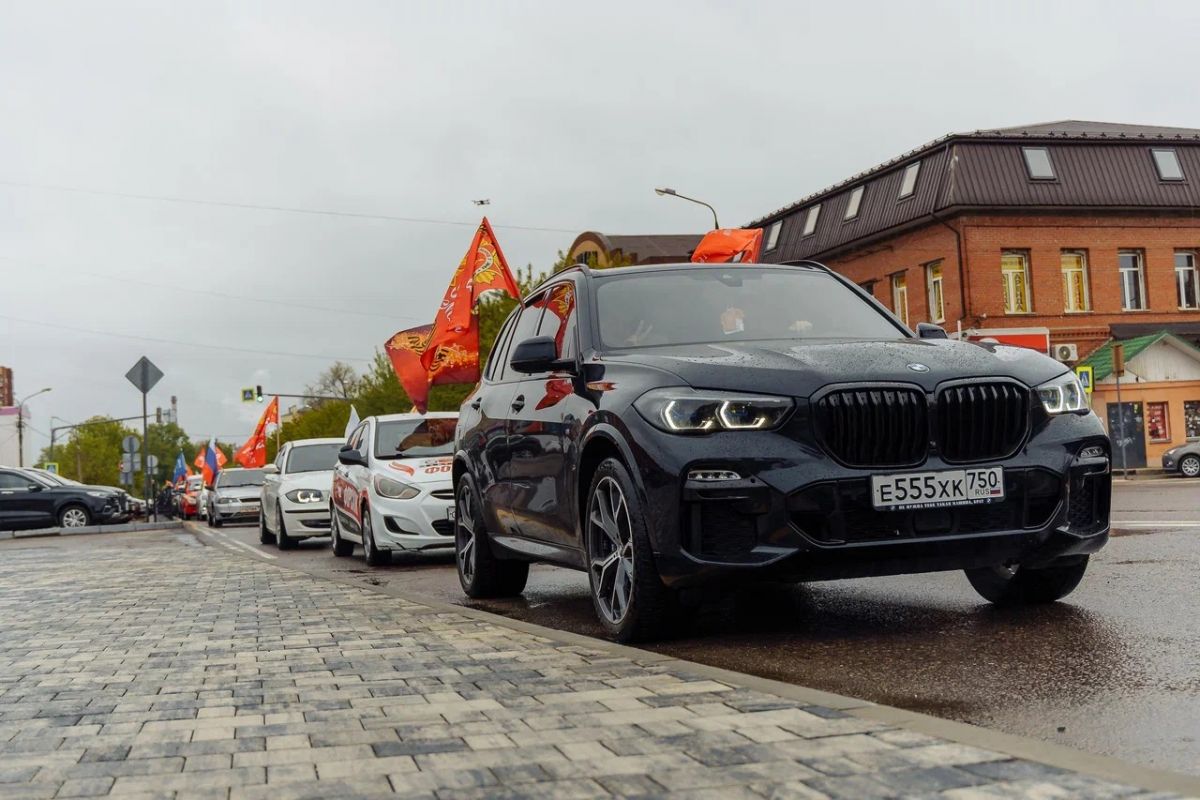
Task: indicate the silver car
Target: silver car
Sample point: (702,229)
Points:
(234,496)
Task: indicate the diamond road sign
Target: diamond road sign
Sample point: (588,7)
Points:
(144,375)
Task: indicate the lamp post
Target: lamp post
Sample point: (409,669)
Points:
(673,193)
(54,433)
(21,425)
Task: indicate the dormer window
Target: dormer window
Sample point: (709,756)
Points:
(810,221)
(908,183)
(773,234)
(854,202)
(1167,163)
(1037,162)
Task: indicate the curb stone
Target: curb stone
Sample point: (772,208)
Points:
(1022,747)
(124,527)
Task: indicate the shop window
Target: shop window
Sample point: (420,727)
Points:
(1191,418)
(1075,281)
(1158,422)
(1014,268)
(933,285)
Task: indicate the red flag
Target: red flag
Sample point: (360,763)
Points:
(404,351)
(452,355)
(254,452)
(729,245)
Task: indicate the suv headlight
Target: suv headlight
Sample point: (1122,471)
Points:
(684,410)
(397,490)
(305,495)
(101,494)
(1063,395)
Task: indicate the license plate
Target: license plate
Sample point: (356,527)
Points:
(952,487)
(450,513)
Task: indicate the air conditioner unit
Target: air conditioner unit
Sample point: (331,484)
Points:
(1066,352)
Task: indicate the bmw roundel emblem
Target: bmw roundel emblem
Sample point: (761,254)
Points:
(918,368)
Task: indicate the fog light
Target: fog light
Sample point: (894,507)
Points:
(1092,452)
(713,475)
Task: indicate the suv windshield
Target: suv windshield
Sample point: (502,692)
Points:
(415,438)
(706,306)
(240,477)
(313,457)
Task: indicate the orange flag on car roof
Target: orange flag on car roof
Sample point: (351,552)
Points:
(254,452)
(452,355)
(729,245)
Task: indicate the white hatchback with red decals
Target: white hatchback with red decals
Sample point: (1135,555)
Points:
(392,486)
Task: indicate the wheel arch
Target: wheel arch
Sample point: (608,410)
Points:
(601,443)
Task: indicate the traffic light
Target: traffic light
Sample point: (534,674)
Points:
(258,395)
(158,416)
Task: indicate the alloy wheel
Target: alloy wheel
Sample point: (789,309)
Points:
(1190,466)
(74,518)
(464,533)
(610,549)
(368,536)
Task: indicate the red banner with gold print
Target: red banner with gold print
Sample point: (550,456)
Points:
(404,350)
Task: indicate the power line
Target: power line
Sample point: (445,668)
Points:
(223,295)
(284,209)
(156,340)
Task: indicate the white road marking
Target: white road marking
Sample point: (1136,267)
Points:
(1142,523)
(230,543)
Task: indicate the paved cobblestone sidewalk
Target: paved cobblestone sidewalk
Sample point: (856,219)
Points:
(153,669)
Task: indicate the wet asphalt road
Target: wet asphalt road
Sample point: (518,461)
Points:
(1113,669)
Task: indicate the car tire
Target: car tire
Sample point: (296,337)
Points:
(341,547)
(282,540)
(214,520)
(372,554)
(1020,585)
(631,601)
(74,516)
(264,535)
(1189,466)
(480,573)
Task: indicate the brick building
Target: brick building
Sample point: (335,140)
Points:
(1090,230)
(602,250)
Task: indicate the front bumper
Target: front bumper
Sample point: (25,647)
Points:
(231,511)
(422,523)
(1170,463)
(797,514)
(306,519)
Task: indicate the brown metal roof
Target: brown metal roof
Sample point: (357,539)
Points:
(1096,165)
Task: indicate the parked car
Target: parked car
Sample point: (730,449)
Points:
(672,427)
(193,501)
(1184,459)
(234,496)
(130,506)
(29,500)
(295,492)
(391,487)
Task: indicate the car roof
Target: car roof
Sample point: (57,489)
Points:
(429,415)
(804,266)
(326,440)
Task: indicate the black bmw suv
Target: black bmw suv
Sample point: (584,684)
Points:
(671,426)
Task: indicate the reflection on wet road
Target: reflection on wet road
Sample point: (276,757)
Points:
(1114,669)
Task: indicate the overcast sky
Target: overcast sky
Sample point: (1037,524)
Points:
(566,115)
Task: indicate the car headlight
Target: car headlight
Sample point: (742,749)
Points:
(684,410)
(397,490)
(227,500)
(100,494)
(305,495)
(1064,395)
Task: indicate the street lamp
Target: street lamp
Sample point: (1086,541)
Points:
(21,425)
(673,193)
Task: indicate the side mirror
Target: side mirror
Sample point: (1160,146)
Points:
(35,487)
(270,469)
(351,457)
(927,330)
(537,354)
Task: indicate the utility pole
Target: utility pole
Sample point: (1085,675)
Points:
(21,425)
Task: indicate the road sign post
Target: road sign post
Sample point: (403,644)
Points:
(1118,366)
(144,375)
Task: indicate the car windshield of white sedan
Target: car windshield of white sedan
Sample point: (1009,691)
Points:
(706,306)
(415,438)
(240,477)
(313,458)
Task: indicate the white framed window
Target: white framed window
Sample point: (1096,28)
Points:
(854,202)
(900,297)
(1075,281)
(1037,163)
(933,286)
(908,182)
(773,234)
(1167,164)
(1014,269)
(1187,279)
(810,220)
(1133,279)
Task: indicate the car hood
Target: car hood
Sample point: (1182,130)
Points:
(431,469)
(240,492)
(799,369)
(321,479)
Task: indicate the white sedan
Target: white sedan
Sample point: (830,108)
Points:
(295,492)
(392,488)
